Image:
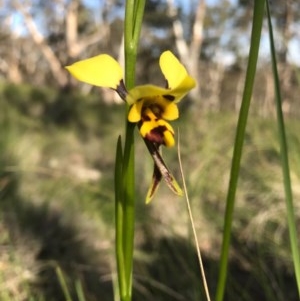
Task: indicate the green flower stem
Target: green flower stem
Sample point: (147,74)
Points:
(134,12)
(119,218)
(128,206)
(284,159)
(258,15)
(124,172)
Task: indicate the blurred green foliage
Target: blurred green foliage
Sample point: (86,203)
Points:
(56,197)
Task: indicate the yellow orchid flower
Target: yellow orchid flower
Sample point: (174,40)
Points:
(151,106)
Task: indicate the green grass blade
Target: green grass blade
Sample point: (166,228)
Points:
(79,290)
(284,160)
(138,19)
(258,15)
(134,12)
(129,206)
(63,283)
(119,203)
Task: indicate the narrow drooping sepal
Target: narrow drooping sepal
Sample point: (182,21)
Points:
(163,170)
(156,179)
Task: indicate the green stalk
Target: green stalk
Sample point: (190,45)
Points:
(119,202)
(63,283)
(284,160)
(128,207)
(258,15)
(125,173)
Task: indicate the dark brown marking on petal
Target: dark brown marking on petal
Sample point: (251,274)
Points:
(155,138)
(169,97)
(145,118)
(121,90)
(157,110)
(156,178)
(167,84)
(156,135)
(140,123)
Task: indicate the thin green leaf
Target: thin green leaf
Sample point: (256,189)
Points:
(79,290)
(284,160)
(63,283)
(128,176)
(258,15)
(119,203)
(134,11)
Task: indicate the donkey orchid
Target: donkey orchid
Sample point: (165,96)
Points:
(151,107)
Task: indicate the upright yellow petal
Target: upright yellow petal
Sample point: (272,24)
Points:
(172,69)
(179,82)
(101,70)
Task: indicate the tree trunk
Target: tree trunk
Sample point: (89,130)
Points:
(55,66)
(190,53)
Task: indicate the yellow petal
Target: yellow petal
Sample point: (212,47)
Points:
(172,69)
(179,82)
(170,111)
(181,90)
(101,70)
(169,140)
(151,94)
(145,91)
(157,130)
(135,111)
(147,127)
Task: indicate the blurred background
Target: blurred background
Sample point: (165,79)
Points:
(58,138)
